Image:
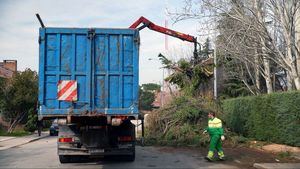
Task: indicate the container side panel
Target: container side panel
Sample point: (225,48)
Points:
(63,104)
(51,50)
(128,54)
(66,53)
(100,53)
(81,91)
(114,48)
(128,84)
(114,92)
(81,46)
(100,92)
(101,56)
(104,65)
(50,96)
(42,65)
(136,72)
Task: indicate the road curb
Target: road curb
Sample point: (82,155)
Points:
(35,139)
(32,140)
(276,165)
(29,141)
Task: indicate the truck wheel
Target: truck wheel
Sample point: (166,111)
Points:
(129,157)
(64,159)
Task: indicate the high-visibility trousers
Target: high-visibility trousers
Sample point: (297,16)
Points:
(215,144)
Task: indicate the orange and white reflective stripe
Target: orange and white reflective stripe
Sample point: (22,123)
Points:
(67,90)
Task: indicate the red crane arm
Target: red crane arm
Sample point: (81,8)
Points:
(182,36)
(152,26)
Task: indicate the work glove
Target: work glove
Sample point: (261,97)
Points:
(222,138)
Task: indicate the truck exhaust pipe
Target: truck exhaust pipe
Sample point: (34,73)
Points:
(40,20)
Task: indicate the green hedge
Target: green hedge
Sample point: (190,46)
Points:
(273,117)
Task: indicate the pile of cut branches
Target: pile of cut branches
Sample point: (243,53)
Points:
(180,123)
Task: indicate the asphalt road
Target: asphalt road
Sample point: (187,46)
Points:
(42,154)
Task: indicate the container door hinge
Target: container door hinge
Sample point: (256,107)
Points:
(137,40)
(40,40)
(91,33)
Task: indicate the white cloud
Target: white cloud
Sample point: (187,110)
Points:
(19,27)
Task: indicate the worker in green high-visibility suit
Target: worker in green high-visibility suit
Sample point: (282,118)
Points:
(216,134)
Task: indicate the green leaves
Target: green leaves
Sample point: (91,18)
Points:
(151,87)
(31,124)
(2,92)
(186,75)
(166,62)
(19,94)
(273,117)
(234,88)
(147,95)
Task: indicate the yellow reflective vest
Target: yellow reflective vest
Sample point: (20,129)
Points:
(215,127)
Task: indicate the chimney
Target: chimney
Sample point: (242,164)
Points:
(10,64)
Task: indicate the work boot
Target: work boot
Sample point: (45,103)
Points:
(221,155)
(210,156)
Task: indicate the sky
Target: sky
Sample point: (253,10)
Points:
(19,28)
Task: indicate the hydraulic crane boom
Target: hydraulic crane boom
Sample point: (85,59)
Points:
(170,32)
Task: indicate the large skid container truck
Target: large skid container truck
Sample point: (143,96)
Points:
(88,80)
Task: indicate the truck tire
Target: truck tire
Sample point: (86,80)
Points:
(64,159)
(129,157)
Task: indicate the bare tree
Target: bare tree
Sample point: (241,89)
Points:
(252,39)
(285,13)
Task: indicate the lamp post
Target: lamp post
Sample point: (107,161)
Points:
(215,74)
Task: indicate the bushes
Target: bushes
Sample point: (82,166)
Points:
(274,117)
(31,124)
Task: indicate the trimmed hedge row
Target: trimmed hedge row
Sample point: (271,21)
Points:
(273,117)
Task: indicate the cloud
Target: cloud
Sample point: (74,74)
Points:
(19,27)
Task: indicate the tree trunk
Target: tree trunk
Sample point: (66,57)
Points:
(257,73)
(295,76)
(258,4)
(297,47)
(267,73)
(289,81)
(297,83)
(12,126)
(297,36)
(17,120)
(293,64)
(249,87)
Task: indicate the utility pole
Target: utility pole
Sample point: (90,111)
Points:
(215,64)
(166,49)
(215,73)
(163,86)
